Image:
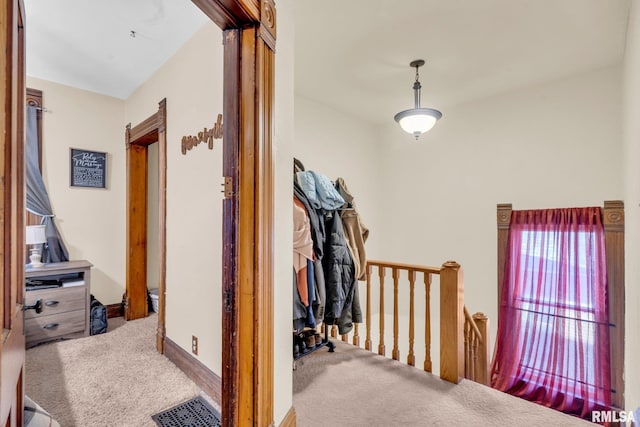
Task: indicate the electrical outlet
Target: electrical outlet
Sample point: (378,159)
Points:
(194,344)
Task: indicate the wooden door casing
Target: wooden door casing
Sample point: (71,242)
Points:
(150,131)
(247,290)
(12,97)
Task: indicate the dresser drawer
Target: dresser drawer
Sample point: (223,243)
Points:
(39,328)
(56,300)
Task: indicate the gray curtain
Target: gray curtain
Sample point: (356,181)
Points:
(37,197)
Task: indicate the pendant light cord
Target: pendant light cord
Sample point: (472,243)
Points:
(416,88)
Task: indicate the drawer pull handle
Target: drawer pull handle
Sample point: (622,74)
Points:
(51,303)
(50,326)
(37,306)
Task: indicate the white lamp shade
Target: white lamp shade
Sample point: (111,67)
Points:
(418,120)
(36,234)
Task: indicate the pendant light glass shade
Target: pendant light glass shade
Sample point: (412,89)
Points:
(417,120)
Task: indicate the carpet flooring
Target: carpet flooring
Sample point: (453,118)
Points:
(118,379)
(354,387)
(115,379)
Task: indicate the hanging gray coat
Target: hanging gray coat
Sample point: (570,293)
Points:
(342,303)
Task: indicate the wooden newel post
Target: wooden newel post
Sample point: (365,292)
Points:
(482,363)
(451,322)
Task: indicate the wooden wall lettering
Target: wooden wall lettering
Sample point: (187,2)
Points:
(207,135)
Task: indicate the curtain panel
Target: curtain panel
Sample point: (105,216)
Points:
(552,346)
(37,197)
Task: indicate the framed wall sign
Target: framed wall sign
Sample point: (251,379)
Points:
(88,168)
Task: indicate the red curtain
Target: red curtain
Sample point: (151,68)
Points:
(553,330)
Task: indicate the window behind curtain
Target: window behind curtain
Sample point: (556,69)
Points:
(553,331)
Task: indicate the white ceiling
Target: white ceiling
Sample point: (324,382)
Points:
(87,43)
(354,55)
(350,55)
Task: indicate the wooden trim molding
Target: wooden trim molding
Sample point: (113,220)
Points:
(231,371)
(613,219)
(289,420)
(12,208)
(137,140)
(503,220)
(231,14)
(264,232)
(146,132)
(204,377)
(267,30)
(115,310)
(162,223)
(247,316)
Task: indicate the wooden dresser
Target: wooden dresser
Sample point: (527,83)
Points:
(61,312)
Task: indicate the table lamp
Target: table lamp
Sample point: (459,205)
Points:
(36,236)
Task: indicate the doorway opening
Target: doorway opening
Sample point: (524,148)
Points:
(146,141)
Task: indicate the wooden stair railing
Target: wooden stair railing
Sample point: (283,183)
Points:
(463,338)
(476,347)
(451,314)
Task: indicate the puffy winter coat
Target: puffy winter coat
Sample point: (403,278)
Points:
(340,280)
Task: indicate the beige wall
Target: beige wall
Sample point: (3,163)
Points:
(551,145)
(338,145)
(556,144)
(91,221)
(283,146)
(191,81)
(631,130)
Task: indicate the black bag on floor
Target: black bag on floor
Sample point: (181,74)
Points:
(98,317)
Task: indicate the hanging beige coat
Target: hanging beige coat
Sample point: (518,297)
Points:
(355,232)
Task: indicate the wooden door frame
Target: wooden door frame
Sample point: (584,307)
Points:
(249,32)
(138,139)
(12,212)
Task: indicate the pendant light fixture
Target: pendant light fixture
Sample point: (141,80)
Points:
(417,120)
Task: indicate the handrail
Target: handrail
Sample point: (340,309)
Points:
(463,336)
(451,314)
(472,323)
(411,267)
(476,347)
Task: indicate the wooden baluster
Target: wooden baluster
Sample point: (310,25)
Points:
(322,328)
(334,331)
(427,323)
(356,336)
(381,348)
(482,322)
(345,338)
(367,341)
(467,350)
(474,356)
(395,354)
(411,358)
(451,322)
